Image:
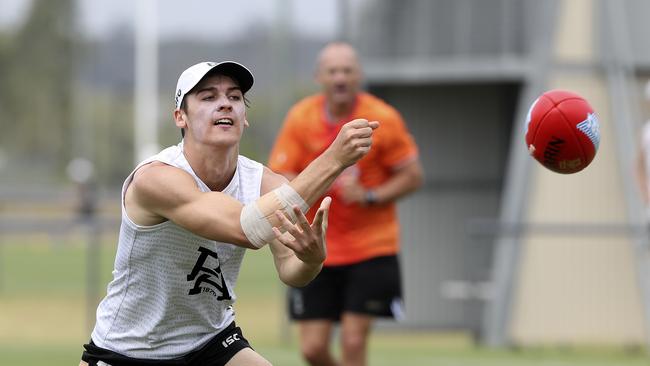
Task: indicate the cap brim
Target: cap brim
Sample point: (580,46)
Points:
(239,72)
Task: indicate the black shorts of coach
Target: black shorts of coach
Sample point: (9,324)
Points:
(371,287)
(217,352)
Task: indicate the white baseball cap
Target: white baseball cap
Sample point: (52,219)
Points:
(195,73)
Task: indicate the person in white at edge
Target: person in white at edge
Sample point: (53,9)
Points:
(188,215)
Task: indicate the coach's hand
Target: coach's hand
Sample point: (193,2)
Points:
(351,191)
(307,241)
(353,141)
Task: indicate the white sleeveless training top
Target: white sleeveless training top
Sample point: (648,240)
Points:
(172,291)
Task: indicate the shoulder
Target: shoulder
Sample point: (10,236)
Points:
(307,105)
(378,108)
(156,170)
(156,185)
(157,179)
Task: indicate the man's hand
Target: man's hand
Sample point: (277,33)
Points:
(351,191)
(353,141)
(307,241)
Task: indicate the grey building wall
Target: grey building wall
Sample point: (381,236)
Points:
(461,71)
(454,69)
(463,133)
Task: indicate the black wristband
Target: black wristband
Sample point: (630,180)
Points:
(370,197)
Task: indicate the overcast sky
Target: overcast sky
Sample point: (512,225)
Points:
(199,18)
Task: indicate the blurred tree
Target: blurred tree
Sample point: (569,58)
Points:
(37,96)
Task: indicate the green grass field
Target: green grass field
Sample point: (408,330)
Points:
(44,317)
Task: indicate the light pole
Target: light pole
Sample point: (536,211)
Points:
(146,79)
(81,171)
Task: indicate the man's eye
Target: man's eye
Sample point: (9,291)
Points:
(235,97)
(208,97)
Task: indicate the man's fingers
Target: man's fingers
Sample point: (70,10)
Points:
(284,221)
(321,215)
(358,123)
(325,203)
(365,132)
(318,219)
(285,239)
(364,142)
(289,227)
(302,220)
(278,233)
(363,150)
(326,212)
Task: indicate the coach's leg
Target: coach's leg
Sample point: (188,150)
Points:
(315,338)
(248,357)
(355,329)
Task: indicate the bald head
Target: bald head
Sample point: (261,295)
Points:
(339,73)
(337,52)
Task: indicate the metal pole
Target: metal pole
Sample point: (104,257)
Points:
(146,79)
(281,58)
(93,260)
(81,172)
(343,21)
(507,249)
(2,267)
(619,68)
(81,168)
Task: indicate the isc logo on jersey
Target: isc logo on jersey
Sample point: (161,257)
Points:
(230,340)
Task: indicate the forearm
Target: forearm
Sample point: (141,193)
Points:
(296,273)
(399,185)
(291,270)
(215,216)
(314,180)
(351,144)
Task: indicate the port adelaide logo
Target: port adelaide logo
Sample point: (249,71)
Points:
(207,276)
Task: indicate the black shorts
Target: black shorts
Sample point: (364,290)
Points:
(372,287)
(217,352)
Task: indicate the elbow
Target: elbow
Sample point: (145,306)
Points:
(299,279)
(417,177)
(293,282)
(239,238)
(418,181)
(243,241)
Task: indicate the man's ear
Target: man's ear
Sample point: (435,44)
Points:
(180,118)
(246,124)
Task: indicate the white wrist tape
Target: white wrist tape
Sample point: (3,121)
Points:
(258,218)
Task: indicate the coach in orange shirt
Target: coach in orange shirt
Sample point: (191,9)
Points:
(360,279)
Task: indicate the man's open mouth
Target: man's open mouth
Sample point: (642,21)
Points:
(223,121)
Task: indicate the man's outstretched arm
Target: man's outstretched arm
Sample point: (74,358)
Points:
(160,192)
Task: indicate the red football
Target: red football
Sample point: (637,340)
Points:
(562,131)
